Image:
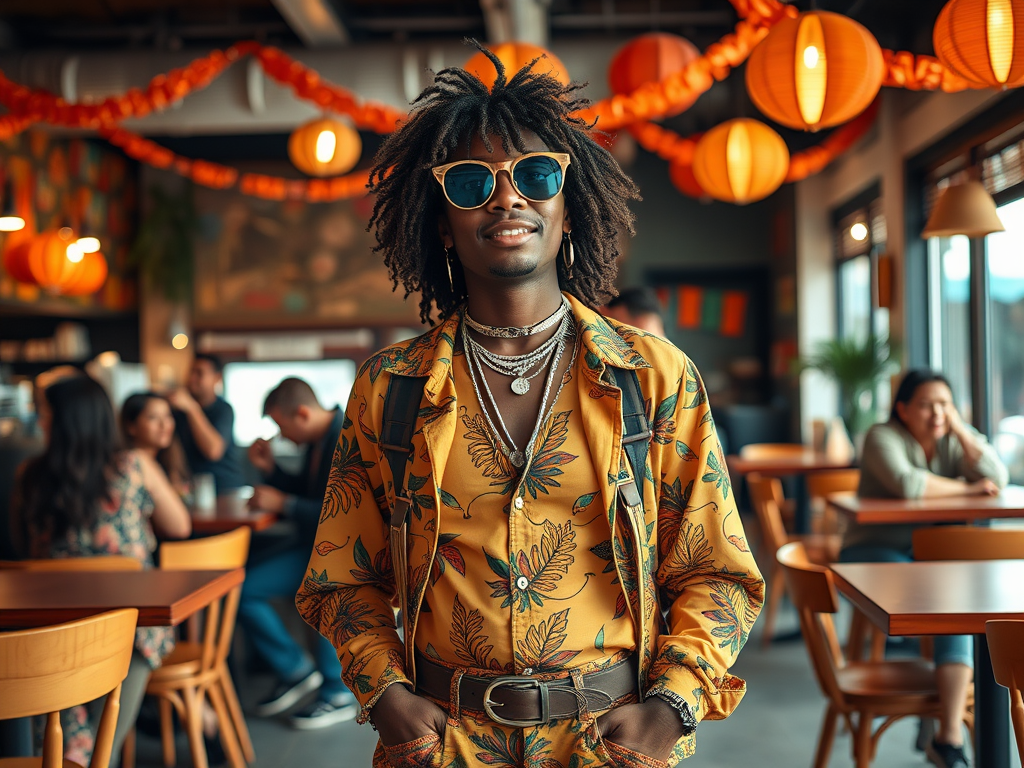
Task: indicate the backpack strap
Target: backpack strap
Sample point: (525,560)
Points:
(636,436)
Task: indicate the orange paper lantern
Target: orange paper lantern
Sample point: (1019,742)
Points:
(682,176)
(740,161)
(515,56)
(49,262)
(651,58)
(982,41)
(16,261)
(88,277)
(324,147)
(815,71)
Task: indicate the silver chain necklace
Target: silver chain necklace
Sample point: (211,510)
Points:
(517,366)
(515,455)
(516,332)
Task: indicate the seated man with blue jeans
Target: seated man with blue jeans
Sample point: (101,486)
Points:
(296,410)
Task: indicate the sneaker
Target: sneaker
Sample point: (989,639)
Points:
(925,733)
(322,714)
(946,755)
(287,695)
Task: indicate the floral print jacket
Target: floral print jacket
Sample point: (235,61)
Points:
(692,587)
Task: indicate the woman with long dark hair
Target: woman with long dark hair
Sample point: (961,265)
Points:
(87,497)
(147,425)
(926,450)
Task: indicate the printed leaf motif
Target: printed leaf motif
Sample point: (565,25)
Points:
(347,481)
(540,648)
(684,451)
(466,634)
(501,586)
(367,432)
(693,550)
(604,337)
(620,605)
(376,571)
(734,616)
(448,500)
(599,640)
(547,461)
(694,387)
(545,564)
(604,551)
(432,413)
(324,548)
(664,425)
(484,450)
(583,502)
(718,475)
(447,554)
(499,750)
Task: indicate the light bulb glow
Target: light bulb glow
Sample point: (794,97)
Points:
(326,143)
(89,244)
(180,341)
(999,29)
(859,232)
(75,253)
(11,223)
(739,161)
(65,233)
(811,69)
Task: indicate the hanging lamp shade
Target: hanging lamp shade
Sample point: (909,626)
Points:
(982,41)
(814,71)
(50,262)
(740,161)
(324,147)
(88,277)
(963,209)
(515,56)
(650,58)
(682,176)
(16,261)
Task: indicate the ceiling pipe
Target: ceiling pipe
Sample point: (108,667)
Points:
(314,21)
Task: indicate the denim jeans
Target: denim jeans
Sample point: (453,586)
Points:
(277,577)
(949,649)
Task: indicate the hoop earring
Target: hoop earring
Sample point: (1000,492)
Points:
(568,256)
(448,263)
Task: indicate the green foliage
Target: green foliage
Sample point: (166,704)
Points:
(164,249)
(858,367)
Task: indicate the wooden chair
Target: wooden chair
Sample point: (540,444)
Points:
(1006,647)
(197,670)
(45,670)
(820,485)
(766,498)
(964,542)
(857,691)
(103,563)
(772,450)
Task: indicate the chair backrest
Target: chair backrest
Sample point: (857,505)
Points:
(813,593)
(772,450)
(766,497)
(100,563)
(962,542)
(224,551)
(1006,647)
(45,670)
(821,484)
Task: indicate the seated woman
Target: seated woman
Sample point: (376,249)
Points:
(147,425)
(926,450)
(86,497)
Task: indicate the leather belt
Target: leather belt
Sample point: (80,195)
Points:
(523,700)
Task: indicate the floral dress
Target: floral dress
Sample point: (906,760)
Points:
(121,527)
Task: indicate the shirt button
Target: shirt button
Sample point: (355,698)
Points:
(522,582)
(518,503)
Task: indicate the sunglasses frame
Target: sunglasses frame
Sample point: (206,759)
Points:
(562,158)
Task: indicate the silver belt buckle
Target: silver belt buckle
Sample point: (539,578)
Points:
(518,682)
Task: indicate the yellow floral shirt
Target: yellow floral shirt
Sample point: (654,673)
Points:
(524,576)
(692,588)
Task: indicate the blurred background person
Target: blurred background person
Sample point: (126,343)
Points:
(86,497)
(301,419)
(638,307)
(147,425)
(205,424)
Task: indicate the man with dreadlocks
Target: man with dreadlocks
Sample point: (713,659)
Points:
(573,579)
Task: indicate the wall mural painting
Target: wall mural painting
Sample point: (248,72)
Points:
(77,183)
(291,262)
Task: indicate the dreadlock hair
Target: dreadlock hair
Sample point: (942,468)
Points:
(445,117)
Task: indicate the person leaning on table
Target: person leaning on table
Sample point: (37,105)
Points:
(925,450)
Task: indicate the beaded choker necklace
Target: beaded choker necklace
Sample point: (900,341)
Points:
(514,332)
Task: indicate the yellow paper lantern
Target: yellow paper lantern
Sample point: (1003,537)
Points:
(814,71)
(740,161)
(324,147)
(515,56)
(88,277)
(982,41)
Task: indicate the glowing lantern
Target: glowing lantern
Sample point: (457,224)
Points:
(815,71)
(682,176)
(982,41)
(324,147)
(515,56)
(89,276)
(740,161)
(16,261)
(650,58)
(52,262)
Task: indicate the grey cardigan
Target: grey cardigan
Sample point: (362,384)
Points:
(893,466)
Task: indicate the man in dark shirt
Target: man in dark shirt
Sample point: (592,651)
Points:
(301,418)
(204,422)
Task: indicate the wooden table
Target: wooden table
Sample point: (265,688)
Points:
(231,512)
(947,598)
(164,598)
(954,509)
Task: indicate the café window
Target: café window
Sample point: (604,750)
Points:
(860,236)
